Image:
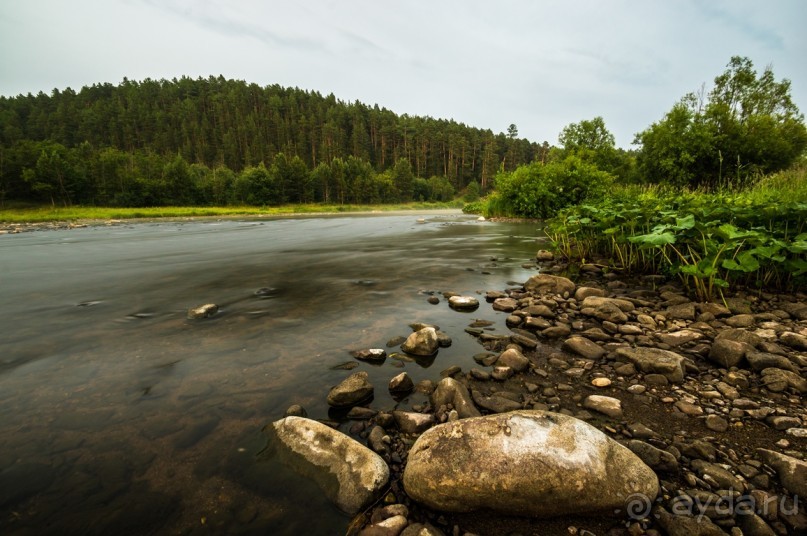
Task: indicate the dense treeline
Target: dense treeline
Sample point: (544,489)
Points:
(225,141)
(746,127)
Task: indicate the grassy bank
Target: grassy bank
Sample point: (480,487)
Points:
(711,240)
(79,213)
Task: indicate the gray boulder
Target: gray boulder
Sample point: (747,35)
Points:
(352,390)
(423,342)
(350,474)
(655,361)
(530,463)
(549,284)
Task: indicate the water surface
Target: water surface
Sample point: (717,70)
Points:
(120,415)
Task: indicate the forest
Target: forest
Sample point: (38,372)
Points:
(218,142)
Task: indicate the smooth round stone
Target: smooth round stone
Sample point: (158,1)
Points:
(600,382)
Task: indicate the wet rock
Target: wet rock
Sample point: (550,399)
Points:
(792,472)
(549,284)
(739,335)
(422,342)
(353,390)
(794,340)
(350,474)
(392,526)
(740,321)
(370,354)
(495,403)
(604,404)
(544,256)
(463,303)
(450,391)
(513,358)
(557,332)
(777,380)
(401,383)
(413,423)
(596,301)
(584,292)
(421,529)
(717,474)
(607,312)
(653,360)
(203,311)
(601,382)
(506,305)
(501,373)
(683,525)
(584,347)
(679,338)
(682,311)
(727,353)
(540,310)
(753,525)
(716,423)
(359,413)
(376,440)
(659,460)
(762,360)
(296,410)
(529,463)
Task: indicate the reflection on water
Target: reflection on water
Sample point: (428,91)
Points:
(120,415)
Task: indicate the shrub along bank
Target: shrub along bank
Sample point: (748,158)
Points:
(756,238)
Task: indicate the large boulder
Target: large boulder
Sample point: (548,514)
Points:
(530,463)
(353,390)
(350,474)
(423,342)
(549,284)
(655,361)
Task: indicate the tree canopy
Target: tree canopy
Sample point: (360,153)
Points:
(110,144)
(746,125)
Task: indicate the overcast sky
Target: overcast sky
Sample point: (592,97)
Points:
(537,63)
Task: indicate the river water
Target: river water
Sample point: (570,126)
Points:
(121,416)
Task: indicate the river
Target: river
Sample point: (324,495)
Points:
(120,415)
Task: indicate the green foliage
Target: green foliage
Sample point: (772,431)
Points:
(746,126)
(472,192)
(592,142)
(117,144)
(540,190)
(710,241)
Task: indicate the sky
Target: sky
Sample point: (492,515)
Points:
(538,64)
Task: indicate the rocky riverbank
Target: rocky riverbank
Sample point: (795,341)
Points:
(697,408)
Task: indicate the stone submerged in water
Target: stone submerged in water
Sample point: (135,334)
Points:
(352,390)
(350,474)
(529,463)
(203,311)
(423,342)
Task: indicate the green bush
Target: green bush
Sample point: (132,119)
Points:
(540,190)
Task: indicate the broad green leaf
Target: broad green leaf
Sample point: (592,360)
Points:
(654,239)
(687,222)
